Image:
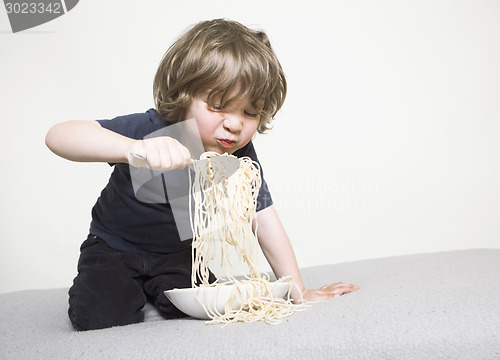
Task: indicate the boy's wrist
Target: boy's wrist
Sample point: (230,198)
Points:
(134,154)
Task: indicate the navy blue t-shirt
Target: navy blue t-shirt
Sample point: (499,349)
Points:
(130,225)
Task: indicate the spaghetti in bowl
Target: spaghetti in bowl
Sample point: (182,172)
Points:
(205,302)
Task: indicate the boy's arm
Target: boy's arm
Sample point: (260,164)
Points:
(87,141)
(279,253)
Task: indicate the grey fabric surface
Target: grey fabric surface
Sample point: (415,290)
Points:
(429,306)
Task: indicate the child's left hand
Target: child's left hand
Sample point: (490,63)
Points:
(328,291)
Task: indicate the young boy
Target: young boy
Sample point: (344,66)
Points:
(228,79)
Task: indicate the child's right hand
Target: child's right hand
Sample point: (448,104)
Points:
(159,153)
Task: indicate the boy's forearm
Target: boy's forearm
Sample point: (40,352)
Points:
(277,248)
(87,141)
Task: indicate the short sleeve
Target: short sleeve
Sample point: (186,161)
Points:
(134,126)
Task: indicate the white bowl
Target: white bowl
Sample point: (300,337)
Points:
(189,300)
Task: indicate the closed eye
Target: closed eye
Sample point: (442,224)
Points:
(213,107)
(249,114)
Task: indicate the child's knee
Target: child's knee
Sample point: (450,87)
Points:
(88,315)
(84,319)
(89,309)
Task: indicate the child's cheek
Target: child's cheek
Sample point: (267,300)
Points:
(206,129)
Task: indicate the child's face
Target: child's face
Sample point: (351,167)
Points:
(224,130)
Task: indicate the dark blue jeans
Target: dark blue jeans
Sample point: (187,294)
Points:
(112,287)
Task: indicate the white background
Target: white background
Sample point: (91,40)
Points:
(388,142)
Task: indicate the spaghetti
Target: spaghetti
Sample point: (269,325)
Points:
(224,214)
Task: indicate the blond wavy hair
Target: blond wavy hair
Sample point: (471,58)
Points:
(223,56)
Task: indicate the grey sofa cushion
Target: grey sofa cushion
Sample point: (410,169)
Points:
(428,306)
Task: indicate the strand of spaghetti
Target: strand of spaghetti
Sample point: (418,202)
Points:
(224,213)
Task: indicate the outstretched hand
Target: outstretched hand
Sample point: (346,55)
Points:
(328,291)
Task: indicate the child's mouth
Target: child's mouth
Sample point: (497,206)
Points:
(226,143)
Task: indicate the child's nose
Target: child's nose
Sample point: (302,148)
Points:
(232,122)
